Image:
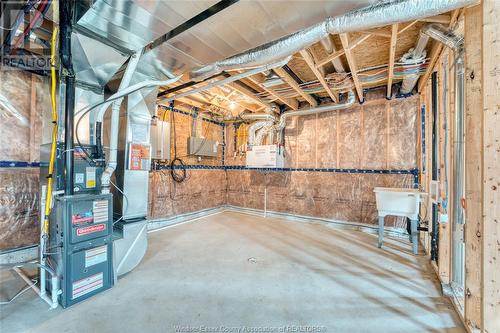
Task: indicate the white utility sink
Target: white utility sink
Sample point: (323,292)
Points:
(398,202)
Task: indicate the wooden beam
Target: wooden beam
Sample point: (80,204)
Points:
(445,235)
(215,99)
(444,19)
(310,62)
(329,58)
(406,27)
(245,91)
(339,53)
(295,86)
(259,80)
(392,55)
(435,54)
(491,170)
(358,41)
(352,65)
(381,32)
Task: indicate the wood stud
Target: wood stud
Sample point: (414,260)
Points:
(352,65)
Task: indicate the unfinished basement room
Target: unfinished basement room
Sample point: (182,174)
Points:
(240,166)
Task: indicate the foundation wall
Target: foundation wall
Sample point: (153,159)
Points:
(202,189)
(378,135)
(24,102)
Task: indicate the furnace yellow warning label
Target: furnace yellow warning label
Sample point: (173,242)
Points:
(90,173)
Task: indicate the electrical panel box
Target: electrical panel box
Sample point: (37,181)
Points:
(86,175)
(160,140)
(202,147)
(266,156)
(81,245)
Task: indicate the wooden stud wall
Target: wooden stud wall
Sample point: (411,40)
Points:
(482,158)
(473,169)
(490,292)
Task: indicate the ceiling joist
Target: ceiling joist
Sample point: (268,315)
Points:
(352,65)
(436,53)
(245,91)
(339,53)
(259,80)
(392,55)
(329,58)
(444,19)
(295,86)
(308,58)
(407,26)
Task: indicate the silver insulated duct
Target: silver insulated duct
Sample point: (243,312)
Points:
(380,14)
(444,35)
(414,56)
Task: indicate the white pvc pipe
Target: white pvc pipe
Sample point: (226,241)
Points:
(43,235)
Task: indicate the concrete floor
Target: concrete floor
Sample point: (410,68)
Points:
(233,270)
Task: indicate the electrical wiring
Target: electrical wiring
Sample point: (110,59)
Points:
(177,163)
(120,94)
(336,82)
(53,146)
(19,293)
(39,14)
(19,19)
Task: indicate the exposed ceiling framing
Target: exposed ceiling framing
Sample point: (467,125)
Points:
(362,54)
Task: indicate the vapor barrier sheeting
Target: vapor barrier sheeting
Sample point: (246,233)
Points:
(24,98)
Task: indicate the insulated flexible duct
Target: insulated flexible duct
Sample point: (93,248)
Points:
(302,112)
(266,130)
(267,123)
(377,15)
(414,56)
(444,35)
(262,68)
(252,129)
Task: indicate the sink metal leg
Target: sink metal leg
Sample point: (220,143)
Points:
(380,231)
(414,236)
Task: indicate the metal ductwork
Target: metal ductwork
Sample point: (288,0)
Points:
(266,130)
(267,123)
(257,116)
(417,55)
(414,56)
(380,14)
(252,129)
(266,67)
(444,35)
(320,109)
